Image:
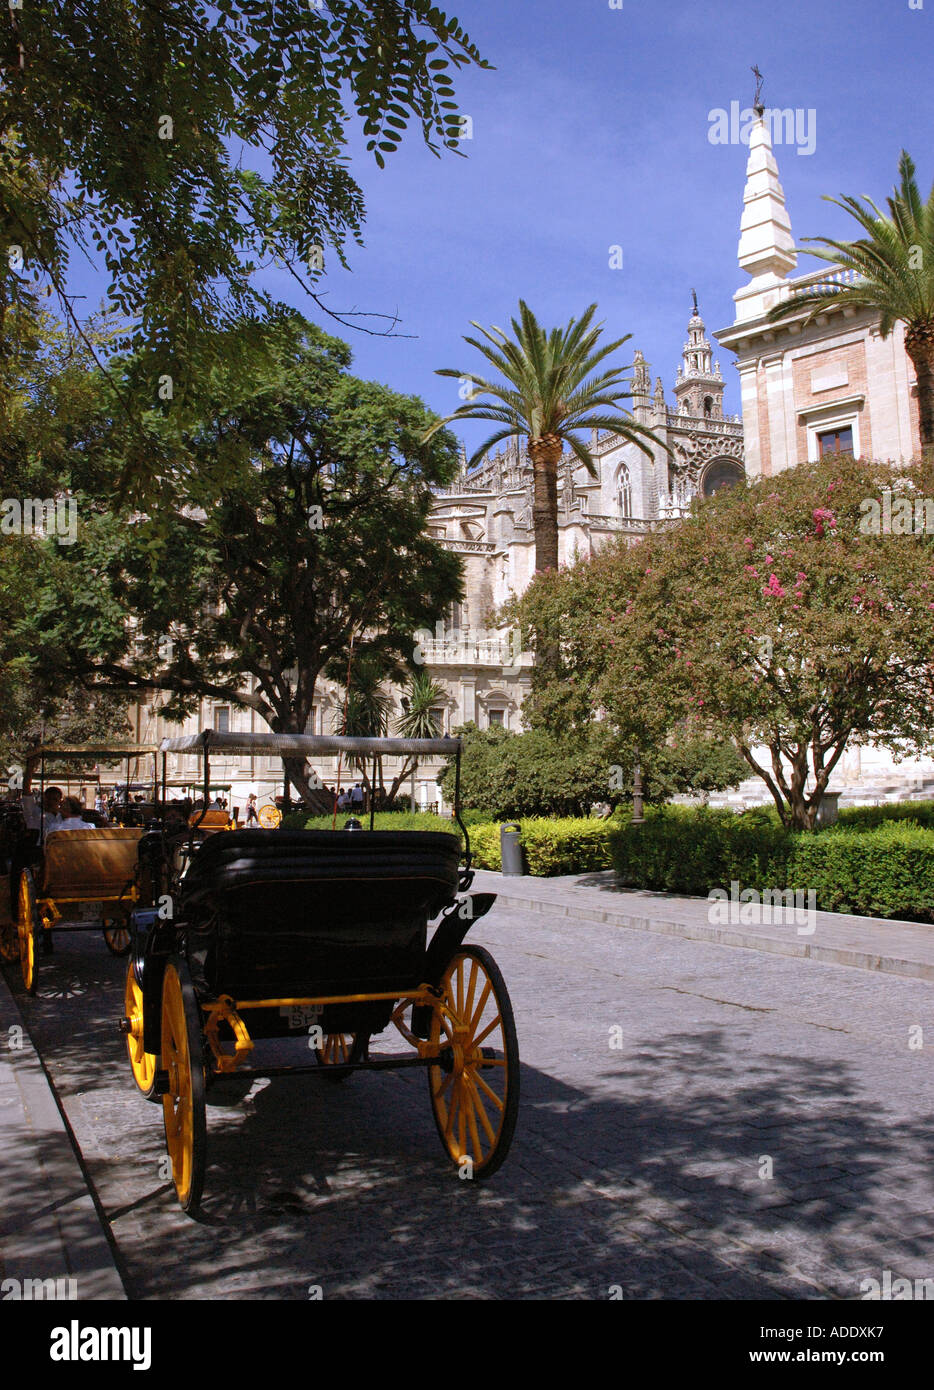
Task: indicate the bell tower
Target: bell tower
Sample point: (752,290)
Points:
(699,386)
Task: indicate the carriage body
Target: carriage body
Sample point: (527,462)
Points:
(331,937)
(56,880)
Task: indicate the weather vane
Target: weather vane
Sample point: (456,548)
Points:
(757,101)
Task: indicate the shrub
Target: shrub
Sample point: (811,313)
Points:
(868,817)
(383,820)
(883,871)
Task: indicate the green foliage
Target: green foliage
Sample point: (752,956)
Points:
(182,146)
(893,263)
(868,817)
(689,850)
(301,532)
(539,773)
(772,615)
(884,871)
(551,846)
(383,820)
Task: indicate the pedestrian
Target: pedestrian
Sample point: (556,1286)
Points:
(357,797)
(343,801)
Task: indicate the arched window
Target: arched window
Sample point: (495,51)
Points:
(708,407)
(623,492)
(721,473)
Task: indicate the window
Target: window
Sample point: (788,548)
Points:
(708,406)
(496,717)
(222,719)
(623,492)
(838,441)
(437,714)
(722,473)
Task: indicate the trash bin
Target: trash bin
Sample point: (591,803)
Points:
(511,849)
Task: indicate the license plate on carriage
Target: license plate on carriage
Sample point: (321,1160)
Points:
(301,1016)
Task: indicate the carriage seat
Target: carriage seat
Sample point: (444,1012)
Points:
(93,864)
(209,820)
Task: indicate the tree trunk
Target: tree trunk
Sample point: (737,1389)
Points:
(545,451)
(919,345)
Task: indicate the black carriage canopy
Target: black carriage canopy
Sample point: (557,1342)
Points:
(209,742)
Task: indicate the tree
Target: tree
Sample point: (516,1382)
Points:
(548,773)
(309,544)
(894,269)
(367,710)
(794,615)
(549,393)
(183,142)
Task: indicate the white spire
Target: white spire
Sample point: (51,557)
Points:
(766,246)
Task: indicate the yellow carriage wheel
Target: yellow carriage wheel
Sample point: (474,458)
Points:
(28,928)
(117,936)
(142,1063)
(182,1059)
(337,1048)
(475,1089)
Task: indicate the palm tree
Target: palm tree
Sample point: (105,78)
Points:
(894,266)
(549,392)
(421,698)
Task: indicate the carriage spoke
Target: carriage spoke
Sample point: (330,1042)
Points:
(478,1012)
(487,1030)
(489,1091)
(481,1111)
(471,987)
(472,1122)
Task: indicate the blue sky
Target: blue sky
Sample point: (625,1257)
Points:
(593,132)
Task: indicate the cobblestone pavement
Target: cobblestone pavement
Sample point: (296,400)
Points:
(639,1167)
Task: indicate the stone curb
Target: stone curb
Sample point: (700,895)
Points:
(50,1228)
(725,936)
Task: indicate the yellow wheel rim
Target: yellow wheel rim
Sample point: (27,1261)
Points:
(27,941)
(142,1063)
(178,1103)
(470,1099)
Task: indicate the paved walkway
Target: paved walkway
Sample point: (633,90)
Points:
(868,943)
(52,1243)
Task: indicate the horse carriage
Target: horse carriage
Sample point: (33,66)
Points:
(319,935)
(61,876)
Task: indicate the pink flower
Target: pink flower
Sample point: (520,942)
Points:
(773,587)
(748,541)
(770,559)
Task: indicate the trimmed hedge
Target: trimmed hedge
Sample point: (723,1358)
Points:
(567,845)
(383,820)
(885,871)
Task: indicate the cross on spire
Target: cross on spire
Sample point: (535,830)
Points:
(757,99)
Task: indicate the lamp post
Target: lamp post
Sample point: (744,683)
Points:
(637,816)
